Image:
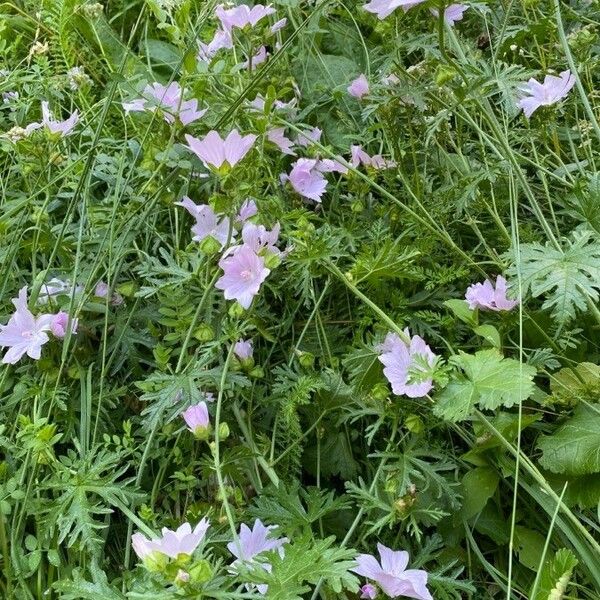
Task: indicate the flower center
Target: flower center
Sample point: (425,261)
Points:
(246,274)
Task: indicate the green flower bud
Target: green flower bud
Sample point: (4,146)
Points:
(257,373)
(444,74)
(210,246)
(223,431)
(236,310)
(201,572)
(204,333)
(414,424)
(307,360)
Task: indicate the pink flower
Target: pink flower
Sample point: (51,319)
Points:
(103,291)
(253,542)
(384,8)
(247,210)
(392,575)
(170,100)
(241,16)
(259,58)
(368,591)
(260,239)
(259,104)
(208,223)
(278,25)
(359,87)
(277,136)
(24,333)
(63,127)
(60,324)
(359,156)
(330,165)
(215,151)
(243,349)
(197,419)
(308,138)
(550,92)
(221,39)
(172,543)
(485,296)
(243,274)
(307,179)
(400,358)
(453,13)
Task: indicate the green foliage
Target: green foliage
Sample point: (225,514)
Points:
(488,380)
(568,276)
(555,576)
(573,448)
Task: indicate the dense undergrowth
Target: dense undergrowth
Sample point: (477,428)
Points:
(202,324)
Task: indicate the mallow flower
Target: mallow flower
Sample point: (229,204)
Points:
(242,15)
(368,591)
(309,137)
(486,296)
(550,92)
(452,13)
(170,100)
(384,8)
(217,152)
(243,273)
(277,136)
(259,58)
(208,223)
(400,357)
(247,210)
(184,540)
(359,156)
(359,87)
(306,179)
(392,576)
(221,40)
(252,542)
(243,349)
(197,419)
(60,324)
(63,128)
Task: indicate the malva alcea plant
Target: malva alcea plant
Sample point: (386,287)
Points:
(299,301)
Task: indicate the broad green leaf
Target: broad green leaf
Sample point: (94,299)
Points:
(574,448)
(490,334)
(461,309)
(566,277)
(489,381)
(478,486)
(555,576)
(529,546)
(572,384)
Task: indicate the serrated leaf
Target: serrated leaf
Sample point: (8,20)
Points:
(574,448)
(567,277)
(555,576)
(489,381)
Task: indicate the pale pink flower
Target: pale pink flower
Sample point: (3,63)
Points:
(243,273)
(550,92)
(399,358)
(103,291)
(277,136)
(359,156)
(197,419)
(359,87)
(452,13)
(331,165)
(170,100)
(215,151)
(278,25)
(24,333)
(308,138)
(391,574)
(486,296)
(368,591)
(184,540)
(54,287)
(253,542)
(242,15)
(259,104)
(60,324)
(208,223)
(306,179)
(247,210)
(243,349)
(259,58)
(63,127)
(384,8)
(221,40)
(260,239)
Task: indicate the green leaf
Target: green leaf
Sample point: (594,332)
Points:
(529,546)
(555,576)
(574,448)
(567,277)
(461,309)
(478,486)
(489,381)
(490,334)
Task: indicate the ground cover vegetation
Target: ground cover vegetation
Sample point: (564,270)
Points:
(299,300)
